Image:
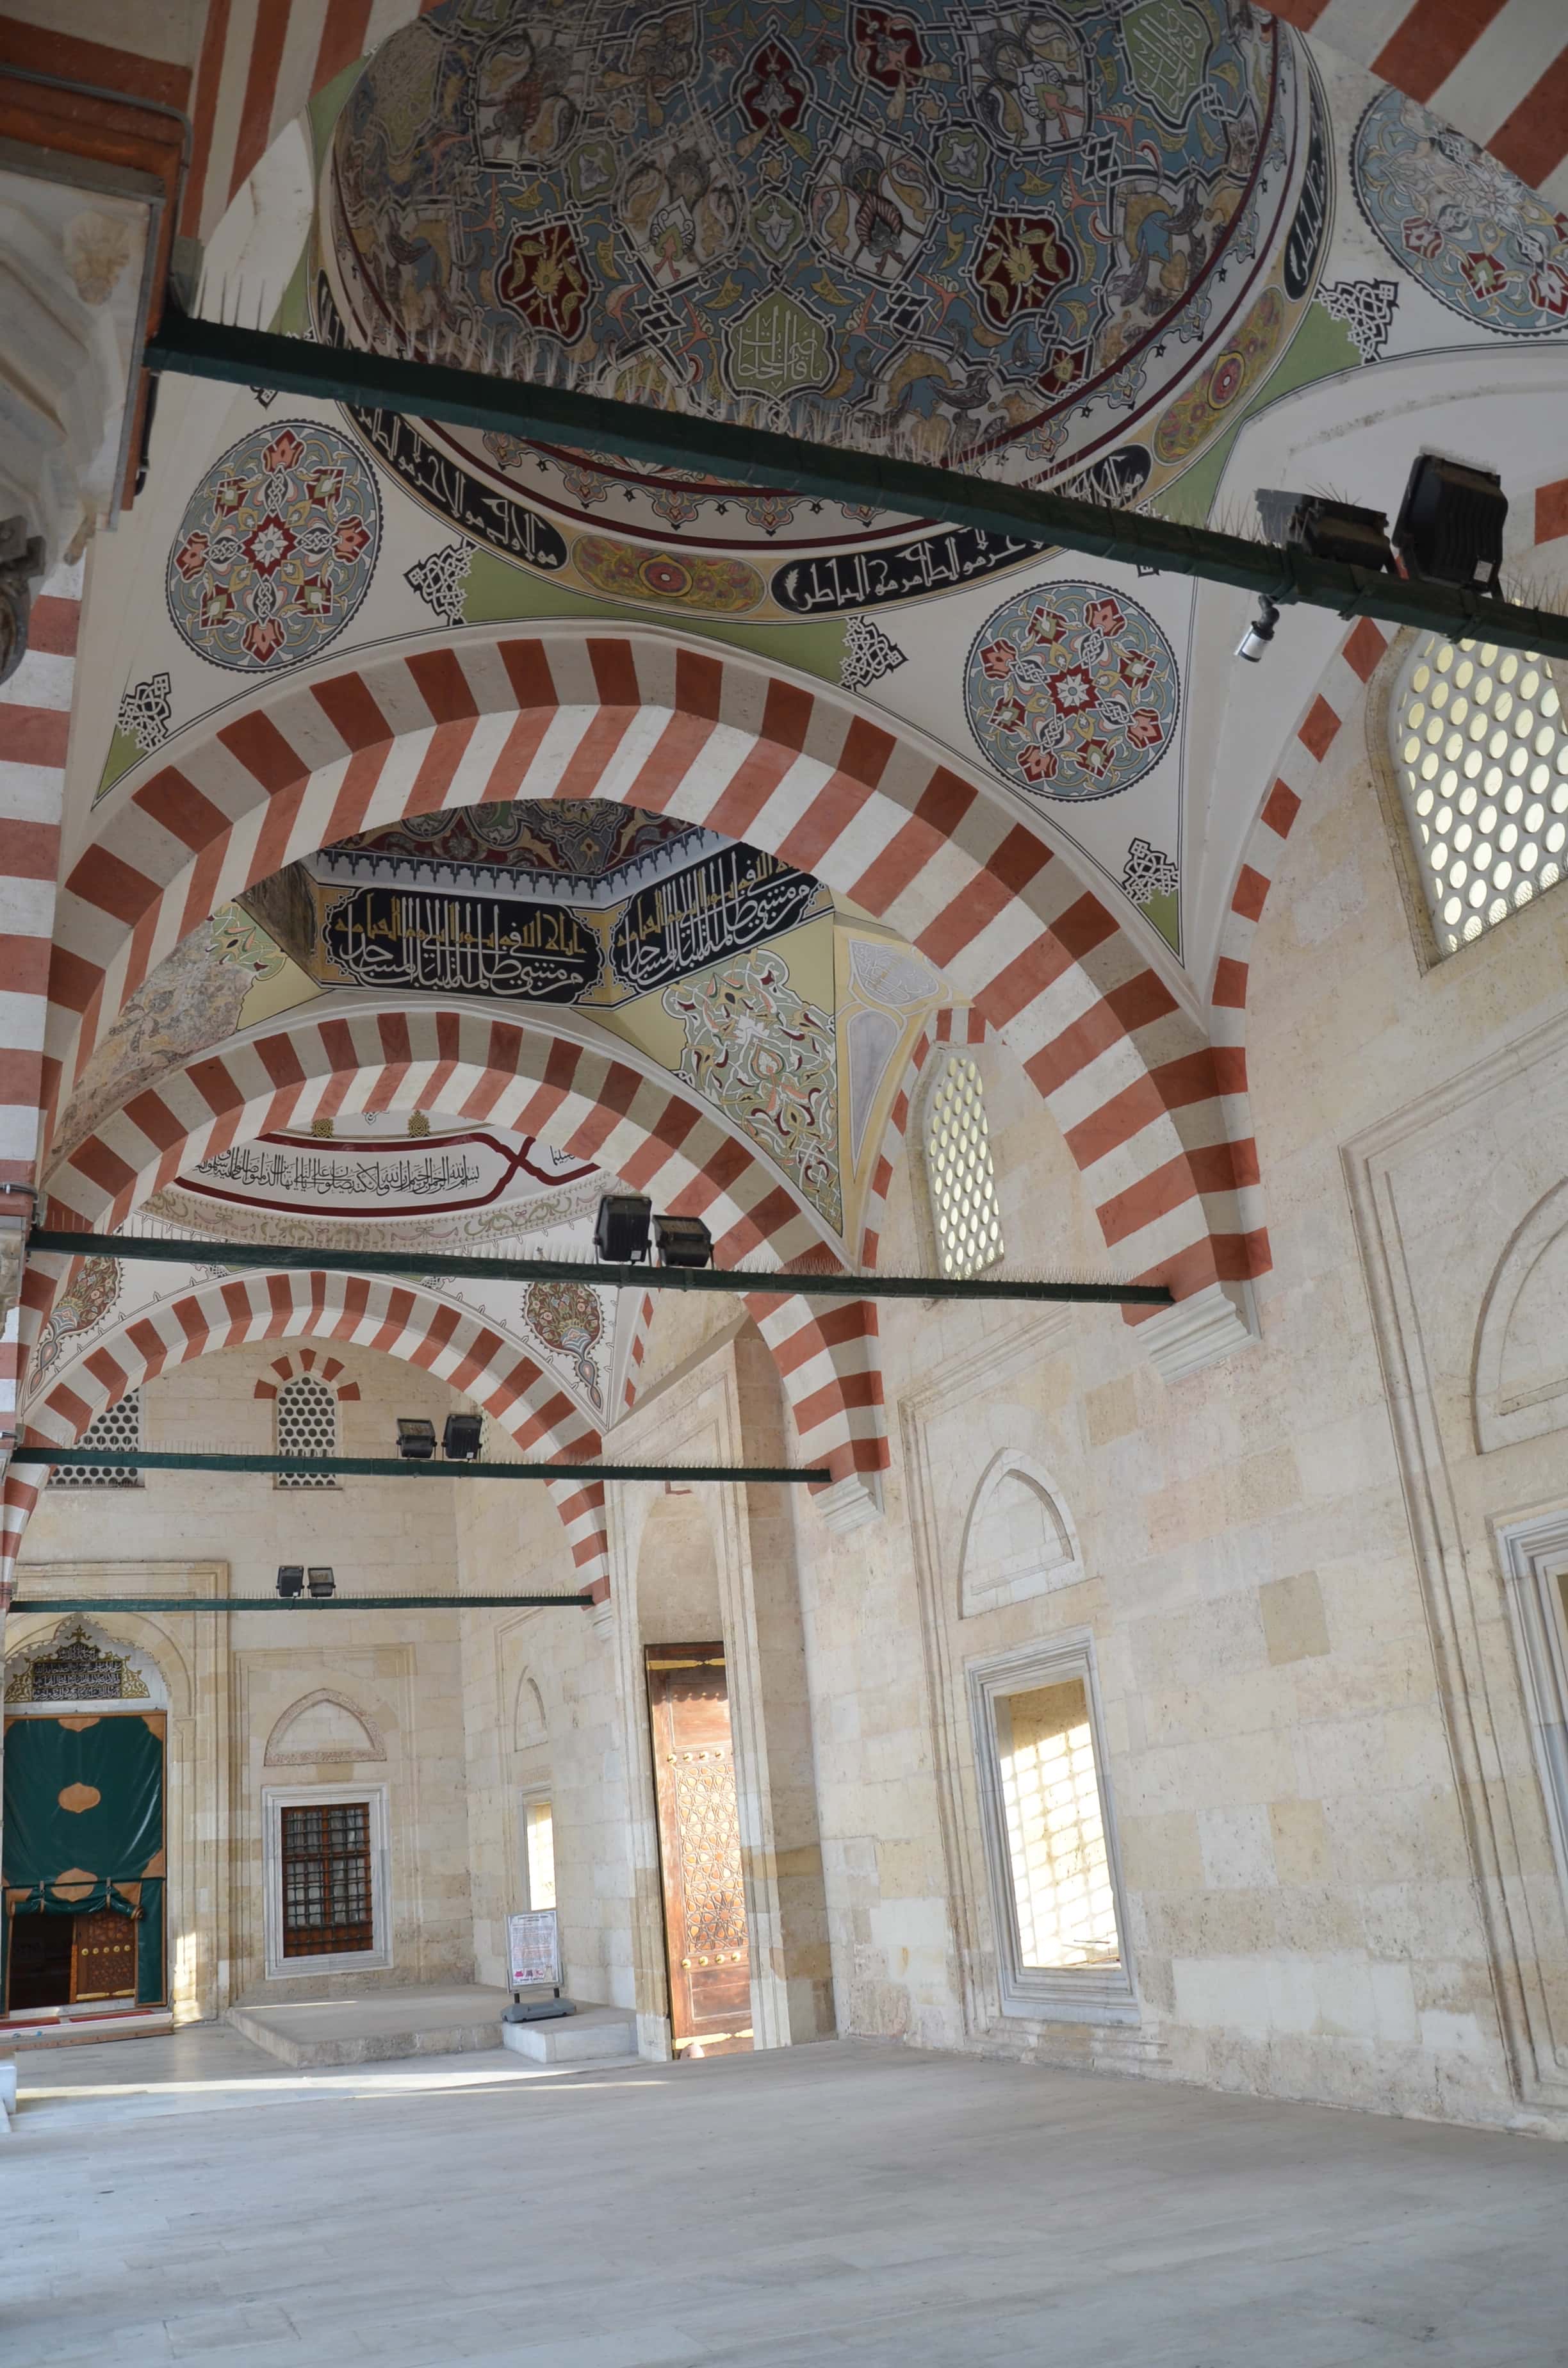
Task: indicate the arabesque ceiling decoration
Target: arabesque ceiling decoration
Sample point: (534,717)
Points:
(1034,239)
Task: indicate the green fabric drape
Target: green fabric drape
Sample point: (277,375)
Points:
(84,1827)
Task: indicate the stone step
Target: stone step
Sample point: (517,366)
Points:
(594,2034)
(375,2026)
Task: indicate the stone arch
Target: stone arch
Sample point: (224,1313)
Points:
(398,1318)
(648,718)
(352,1734)
(529,1724)
(521,1075)
(1019,1538)
(327,1371)
(1518,1375)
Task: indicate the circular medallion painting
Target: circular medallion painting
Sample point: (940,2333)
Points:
(990,237)
(1071,691)
(1474,237)
(277,548)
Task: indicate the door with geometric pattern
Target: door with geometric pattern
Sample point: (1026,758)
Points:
(700,1851)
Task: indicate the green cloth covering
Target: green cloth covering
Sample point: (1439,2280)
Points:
(107,1844)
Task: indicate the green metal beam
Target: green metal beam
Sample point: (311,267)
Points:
(395,1467)
(292,1604)
(410,1265)
(755,456)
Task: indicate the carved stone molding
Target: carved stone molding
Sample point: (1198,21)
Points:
(1214,1322)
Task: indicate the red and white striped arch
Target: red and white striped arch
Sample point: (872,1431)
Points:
(326,1370)
(396,1319)
(1154,1119)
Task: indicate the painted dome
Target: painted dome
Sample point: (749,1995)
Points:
(1026,239)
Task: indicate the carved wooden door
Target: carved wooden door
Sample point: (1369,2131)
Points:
(700,1849)
(103,1957)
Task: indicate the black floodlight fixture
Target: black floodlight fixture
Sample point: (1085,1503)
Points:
(1326,530)
(415,1439)
(460,1438)
(1450,526)
(291,1579)
(322,1582)
(621,1229)
(683,1241)
(1259,634)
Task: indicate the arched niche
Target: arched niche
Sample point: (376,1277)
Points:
(1520,1372)
(77,1665)
(1018,1539)
(322,1726)
(530,1725)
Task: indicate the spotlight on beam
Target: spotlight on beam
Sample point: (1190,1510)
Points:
(415,1439)
(1259,634)
(1450,526)
(291,1580)
(460,1438)
(322,1581)
(1326,530)
(683,1241)
(621,1229)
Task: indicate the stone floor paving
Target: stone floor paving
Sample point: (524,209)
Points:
(847,2205)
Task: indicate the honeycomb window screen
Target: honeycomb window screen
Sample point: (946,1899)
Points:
(119,1425)
(307,1425)
(960,1176)
(1482,754)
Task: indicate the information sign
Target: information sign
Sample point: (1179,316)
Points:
(533,1949)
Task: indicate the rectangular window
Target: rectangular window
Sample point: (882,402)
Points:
(327,1872)
(1049,1843)
(540,1850)
(326,1880)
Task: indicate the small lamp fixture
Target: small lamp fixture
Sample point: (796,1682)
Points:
(683,1241)
(415,1439)
(291,1580)
(1259,634)
(460,1438)
(1326,530)
(1450,526)
(322,1582)
(621,1229)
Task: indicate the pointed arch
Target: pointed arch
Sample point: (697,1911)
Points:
(647,718)
(352,1735)
(1018,1538)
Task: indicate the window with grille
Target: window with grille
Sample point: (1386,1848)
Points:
(307,1425)
(119,1425)
(960,1176)
(1480,748)
(327,1907)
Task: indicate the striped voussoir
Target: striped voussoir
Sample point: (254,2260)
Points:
(324,1368)
(775,759)
(396,1319)
(1497,70)
(35,723)
(953,1024)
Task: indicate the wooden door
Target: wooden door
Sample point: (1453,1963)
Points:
(103,1957)
(700,1851)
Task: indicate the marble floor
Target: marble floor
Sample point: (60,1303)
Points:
(855,2206)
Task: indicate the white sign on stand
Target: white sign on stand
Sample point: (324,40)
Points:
(533,1949)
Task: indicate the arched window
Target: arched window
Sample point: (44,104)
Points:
(960,1181)
(118,1426)
(307,1425)
(1479,746)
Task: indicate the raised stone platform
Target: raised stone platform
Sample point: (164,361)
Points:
(376,2026)
(594,2034)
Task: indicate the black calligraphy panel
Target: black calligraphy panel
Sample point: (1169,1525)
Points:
(462,945)
(718,907)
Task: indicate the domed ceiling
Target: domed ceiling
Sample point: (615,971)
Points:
(1031,240)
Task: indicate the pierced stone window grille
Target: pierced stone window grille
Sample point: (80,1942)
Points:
(960,1177)
(1479,744)
(307,1425)
(119,1425)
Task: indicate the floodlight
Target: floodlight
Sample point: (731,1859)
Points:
(415,1439)
(1259,634)
(1449,527)
(322,1582)
(291,1579)
(621,1229)
(1326,530)
(460,1438)
(683,1241)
